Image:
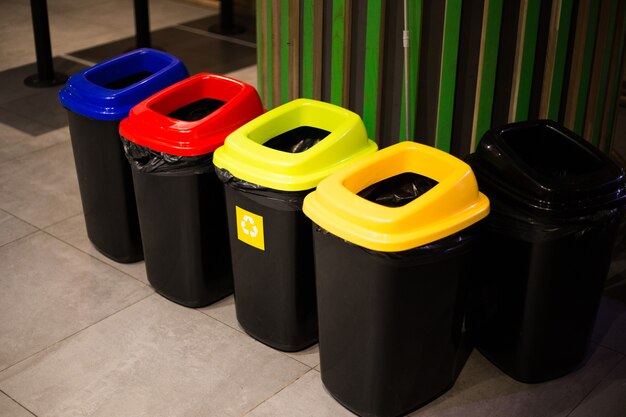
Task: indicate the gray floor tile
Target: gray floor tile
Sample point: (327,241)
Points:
(14,143)
(247,75)
(154,359)
(51,290)
(306,397)
(309,356)
(9,408)
(41,188)
(24,124)
(12,228)
(42,106)
(73,232)
(610,327)
(225,312)
(483,390)
(608,399)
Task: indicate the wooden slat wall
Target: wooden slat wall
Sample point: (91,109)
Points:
(473,64)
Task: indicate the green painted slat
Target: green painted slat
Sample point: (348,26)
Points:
(284,51)
(527,64)
(372,70)
(270,75)
(307,48)
(259,48)
(489,65)
(587,63)
(449,55)
(560,55)
(604,75)
(415,38)
(337,52)
(615,88)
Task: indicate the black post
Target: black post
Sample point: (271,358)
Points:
(227,24)
(142,24)
(45,77)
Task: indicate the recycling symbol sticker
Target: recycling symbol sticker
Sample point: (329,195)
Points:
(250,228)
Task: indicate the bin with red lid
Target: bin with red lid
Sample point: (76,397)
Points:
(169,141)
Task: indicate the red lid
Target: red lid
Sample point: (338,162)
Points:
(159,122)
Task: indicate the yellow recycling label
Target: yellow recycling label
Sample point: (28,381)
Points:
(250,228)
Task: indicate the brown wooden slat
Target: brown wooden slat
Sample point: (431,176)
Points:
(294,50)
(276,46)
(596,70)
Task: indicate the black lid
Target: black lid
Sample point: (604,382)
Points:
(545,166)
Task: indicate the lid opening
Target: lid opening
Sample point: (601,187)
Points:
(297,140)
(128,80)
(196,110)
(549,152)
(398,190)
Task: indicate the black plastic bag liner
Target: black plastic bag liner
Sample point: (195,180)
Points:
(398,190)
(291,198)
(197,110)
(297,140)
(148,161)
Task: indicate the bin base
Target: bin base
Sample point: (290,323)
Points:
(274,286)
(185,236)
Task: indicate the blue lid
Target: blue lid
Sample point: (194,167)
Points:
(107,91)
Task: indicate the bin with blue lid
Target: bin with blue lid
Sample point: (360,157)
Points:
(96,100)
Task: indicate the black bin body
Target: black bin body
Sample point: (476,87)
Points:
(275,288)
(97,99)
(391,336)
(185,236)
(557,203)
(106,188)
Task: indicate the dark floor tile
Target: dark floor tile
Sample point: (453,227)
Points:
(610,328)
(41,107)
(608,399)
(199,53)
(245,22)
(24,124)
(12,80)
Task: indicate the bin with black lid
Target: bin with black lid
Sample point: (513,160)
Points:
(393,239)
(169,141)
(268,166)
(556,205)
(97,99)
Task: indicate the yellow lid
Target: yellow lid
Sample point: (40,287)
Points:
(244,155)
(450,206)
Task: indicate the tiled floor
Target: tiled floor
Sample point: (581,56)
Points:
(81,335)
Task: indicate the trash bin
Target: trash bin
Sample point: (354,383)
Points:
(268,166)
(393,238)
(556,205)
(97,99)
(169,140)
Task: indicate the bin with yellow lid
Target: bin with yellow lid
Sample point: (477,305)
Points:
(393,238)
(268,166)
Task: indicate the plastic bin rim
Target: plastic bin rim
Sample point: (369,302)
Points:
(147,127)
(86,98)
(451,206)
(251,161)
